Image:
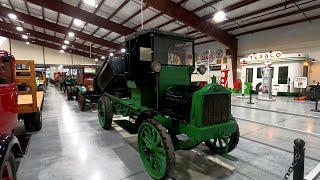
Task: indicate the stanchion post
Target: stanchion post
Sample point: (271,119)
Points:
(250,96)
(298,155)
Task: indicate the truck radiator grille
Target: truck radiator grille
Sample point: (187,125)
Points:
(215,108)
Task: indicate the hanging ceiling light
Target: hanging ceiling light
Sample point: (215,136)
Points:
(103,57)
(66,41)
(313,60)
(219,16)
(64,47)
(123,50)
(12,16)
(24,36)
(27,43)
(71,34)
(62,51)
(96,59)
(19,28)
(111,54)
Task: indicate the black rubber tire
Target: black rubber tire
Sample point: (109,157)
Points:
(81,102)
(69,93)
(258,87)
(37,121)
(167,144)
(11,161)
(28,124)
(108,112)
(233,142)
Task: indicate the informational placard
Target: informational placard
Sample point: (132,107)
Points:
(300,82)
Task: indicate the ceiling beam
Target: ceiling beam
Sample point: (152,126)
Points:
(275,17)
(283,4)
(41,43)
(83,15)
(206,5)
(58,28)
(179,13)
(158,15)
(231,8)
(36,34)
(280,25)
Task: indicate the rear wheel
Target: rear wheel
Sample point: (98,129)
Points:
(9,169)
(105,112)
(28,124)
(156,149)
(37,121)
(81,102)
(218,145)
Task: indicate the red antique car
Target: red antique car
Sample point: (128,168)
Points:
(10,147)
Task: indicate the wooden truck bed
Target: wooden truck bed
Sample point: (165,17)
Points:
(27,99)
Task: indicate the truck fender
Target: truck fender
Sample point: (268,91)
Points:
(9,143)
(142,117)
(82,89)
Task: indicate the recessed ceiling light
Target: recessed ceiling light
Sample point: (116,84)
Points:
(24,36)
(12,16)
(64,47)
(219,16)
(77,22)
(111,54)
(90,3)
(33,41)
(77,38)
(27,42)
(62,51)
(71,34)
(66,42)
(19,28)
(103,57)
(96,59)
(123,50)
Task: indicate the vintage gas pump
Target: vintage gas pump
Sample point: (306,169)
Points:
(266,83)
(224,75)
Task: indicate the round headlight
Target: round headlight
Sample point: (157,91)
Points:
(156,67)
(202,69)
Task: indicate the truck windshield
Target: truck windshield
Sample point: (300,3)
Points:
(90,70)
(172,51)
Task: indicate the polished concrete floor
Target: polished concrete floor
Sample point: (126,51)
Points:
(72,146)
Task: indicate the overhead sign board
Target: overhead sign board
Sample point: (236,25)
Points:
(265,56)
(300,82)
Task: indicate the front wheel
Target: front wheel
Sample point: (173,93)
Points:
(81,102)
(9,168)
(69,93)
(218,145)
(156,149)
(37,121)
(105,112)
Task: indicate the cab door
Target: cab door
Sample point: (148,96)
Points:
(8,97)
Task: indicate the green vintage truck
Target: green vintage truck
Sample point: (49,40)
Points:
(152,85)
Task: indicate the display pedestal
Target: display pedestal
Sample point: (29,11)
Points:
(266,99)
(242,97)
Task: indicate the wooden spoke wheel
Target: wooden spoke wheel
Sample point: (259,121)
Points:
(218,145)
(81,102)
(156,149)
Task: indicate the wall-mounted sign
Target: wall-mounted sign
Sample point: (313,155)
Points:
(262,56)
(207,56)
(300,82)
(219,53)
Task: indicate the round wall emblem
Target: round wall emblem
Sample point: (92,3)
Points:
(219,53)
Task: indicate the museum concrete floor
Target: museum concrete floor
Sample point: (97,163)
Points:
(73,146)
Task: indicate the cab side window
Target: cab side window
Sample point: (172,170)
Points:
(5,72)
